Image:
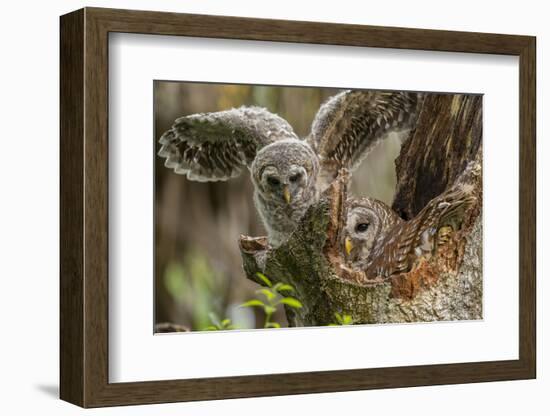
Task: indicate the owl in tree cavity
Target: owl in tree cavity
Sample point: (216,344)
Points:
(376,240)
(288,173)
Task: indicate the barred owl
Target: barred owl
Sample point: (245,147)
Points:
(288,173)
(376,239)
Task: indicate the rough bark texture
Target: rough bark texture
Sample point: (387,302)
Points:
(438,150)
(446,287)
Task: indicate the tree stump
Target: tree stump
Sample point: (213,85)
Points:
(448,286)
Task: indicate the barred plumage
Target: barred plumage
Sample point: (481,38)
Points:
(350,124)
(217,146)
(288,173)
(382,244)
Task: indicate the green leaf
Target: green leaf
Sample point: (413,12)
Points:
(214,319)
(269,309)
(338,317)
(347,320)
(272,325)
(211,328)
(284,287)
(226,322)
(264,279)
(252,302)
(175,281)
(267,293)
(292,302)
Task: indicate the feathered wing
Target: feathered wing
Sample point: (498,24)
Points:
(350,123)
(417,238)
(217,146)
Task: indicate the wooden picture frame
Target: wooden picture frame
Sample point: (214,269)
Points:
(84,207)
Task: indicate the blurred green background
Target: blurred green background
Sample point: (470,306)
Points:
(197,260)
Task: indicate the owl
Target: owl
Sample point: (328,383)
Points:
(378,241)
(288,173)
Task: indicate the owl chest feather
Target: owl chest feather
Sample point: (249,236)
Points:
(280,218)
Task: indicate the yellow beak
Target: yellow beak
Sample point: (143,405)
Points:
(286,194)
(348,245)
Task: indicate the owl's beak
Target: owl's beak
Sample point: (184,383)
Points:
(286,194)
(348,245)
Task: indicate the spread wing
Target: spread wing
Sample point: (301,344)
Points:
(418,237)
(348,126)
(217,146)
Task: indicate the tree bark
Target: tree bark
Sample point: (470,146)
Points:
(448,286)
(447,136)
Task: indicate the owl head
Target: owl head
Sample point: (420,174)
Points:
(288,173)
(367,221)
(285,172)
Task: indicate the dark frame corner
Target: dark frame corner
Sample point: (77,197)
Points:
(84,207)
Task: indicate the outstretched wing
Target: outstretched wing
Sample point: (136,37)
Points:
(217,146)
(419,237)
(350,123)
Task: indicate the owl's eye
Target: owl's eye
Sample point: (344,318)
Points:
(361,227)
(295,178)
(273,181)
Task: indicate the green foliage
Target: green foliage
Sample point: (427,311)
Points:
(195,287)
(293,303)
(267,293)
(174,281)
(342,319)
(264,279)
(217,325)
(253,302)
(274,297)
(283,287)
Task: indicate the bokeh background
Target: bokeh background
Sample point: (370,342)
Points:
(197,260)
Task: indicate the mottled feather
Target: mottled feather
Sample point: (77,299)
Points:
(348,126)
(217,146)
(288,173)
(391,245)
(406,243)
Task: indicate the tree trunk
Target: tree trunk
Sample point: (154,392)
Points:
(448,286)
(447,136)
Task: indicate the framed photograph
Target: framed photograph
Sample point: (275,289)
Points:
(256,207)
